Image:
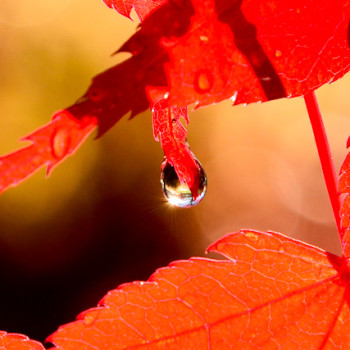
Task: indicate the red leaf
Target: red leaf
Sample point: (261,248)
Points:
(51,144)
(12,341)
(172,134)
(266,51)
(273,291)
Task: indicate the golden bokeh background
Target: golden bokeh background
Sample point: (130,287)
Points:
(100,219)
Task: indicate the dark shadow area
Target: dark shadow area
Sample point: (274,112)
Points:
(245,38)
(93,247)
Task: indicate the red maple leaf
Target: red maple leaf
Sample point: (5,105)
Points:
(51,144)
(273,292)
(265,51)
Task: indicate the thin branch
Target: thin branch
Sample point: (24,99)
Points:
(324,154)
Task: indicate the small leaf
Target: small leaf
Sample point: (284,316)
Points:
(172,135)
(51,144)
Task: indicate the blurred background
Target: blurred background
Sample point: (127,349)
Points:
(100,219)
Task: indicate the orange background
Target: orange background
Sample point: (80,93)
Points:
(100,219)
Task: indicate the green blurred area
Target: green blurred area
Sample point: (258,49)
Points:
(100,219)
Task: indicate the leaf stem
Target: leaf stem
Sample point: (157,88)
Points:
(324,154)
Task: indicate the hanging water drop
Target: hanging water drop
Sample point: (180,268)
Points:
(89,320)
(180,194)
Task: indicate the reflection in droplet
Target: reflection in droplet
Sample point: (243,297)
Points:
(60,143)
(203,81)
(180,194)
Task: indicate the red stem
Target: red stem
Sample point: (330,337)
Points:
(324,154)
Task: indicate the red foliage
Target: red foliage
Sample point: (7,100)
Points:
(273,290)
(51,144)
(12,341)
(266,50)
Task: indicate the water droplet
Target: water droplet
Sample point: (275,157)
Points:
(180,194)
(203,38)
(89,319)
(60,143)
(95,95)
(203,81)
(278,54)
